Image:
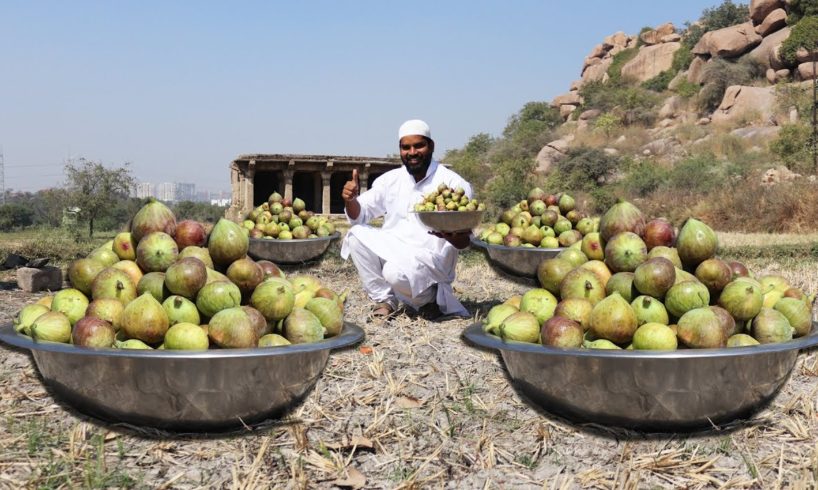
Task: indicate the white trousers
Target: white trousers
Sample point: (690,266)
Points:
(383,281)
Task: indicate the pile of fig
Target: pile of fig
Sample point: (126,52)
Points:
(540,220)
(280,219)
(445,198)
(638,284)
(168,285)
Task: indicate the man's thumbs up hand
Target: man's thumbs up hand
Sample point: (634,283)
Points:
(351,188)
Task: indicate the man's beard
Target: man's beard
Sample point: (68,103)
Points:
(419,169)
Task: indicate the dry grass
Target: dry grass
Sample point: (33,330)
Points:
(415,408)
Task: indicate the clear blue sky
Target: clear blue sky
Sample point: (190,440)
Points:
(181,88)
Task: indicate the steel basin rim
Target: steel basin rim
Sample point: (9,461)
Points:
(481,244)
(352,334)
(475,335)
(297,240)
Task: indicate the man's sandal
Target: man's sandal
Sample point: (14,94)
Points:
(382,310)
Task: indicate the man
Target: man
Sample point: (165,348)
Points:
(403,261)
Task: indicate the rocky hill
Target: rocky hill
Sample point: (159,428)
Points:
(682,71)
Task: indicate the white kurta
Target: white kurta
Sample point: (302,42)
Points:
(403,240)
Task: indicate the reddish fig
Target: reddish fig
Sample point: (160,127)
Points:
(186,277)
(659,232)
(190,233)
(715,274)
(561,332)
(93,332)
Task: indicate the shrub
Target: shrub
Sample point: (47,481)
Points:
(681,59)
(660,82)
(789,95)
(471,161)
(585,169)
(606,123)
(511,180)
(720,74)
(799,9)
(644,177)
(699,173)
(687,89)
(804,34)
(13,216)
(619,60)
(792,147)
(632,104)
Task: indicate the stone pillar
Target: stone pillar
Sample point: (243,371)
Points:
(326,197)
(233,211)
(363,178)
(249,185)
(288,181)
(234,185)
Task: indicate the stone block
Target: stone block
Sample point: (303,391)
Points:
(32,280)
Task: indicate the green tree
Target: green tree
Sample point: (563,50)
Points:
(799,9)
(471,162)
(94,188)
(14,215)
(585,169)
(199,211)
(725,15)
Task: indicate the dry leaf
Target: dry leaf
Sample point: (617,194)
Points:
(366,350)
(359,442)
(355,479)
(408,402)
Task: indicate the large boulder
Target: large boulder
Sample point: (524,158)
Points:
(741,101)
(598,51)
(552,153)
(597,72)
(773,22)
(571,98)
(803,55)
(760,9)
(728,42)
(616,39)
(805,71)
(696,69)
(650,61)
(766,53)
(654,36)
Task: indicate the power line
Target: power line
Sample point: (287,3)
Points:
(2,178)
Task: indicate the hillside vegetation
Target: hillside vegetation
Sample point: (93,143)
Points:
(712,120)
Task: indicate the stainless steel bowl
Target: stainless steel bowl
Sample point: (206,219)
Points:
(197,391)
(290,251)
(520,261)
(450,221)
(652,391)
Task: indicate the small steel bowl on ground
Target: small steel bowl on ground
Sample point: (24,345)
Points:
(293,251)
(450,221)
(182,390)
(520,261)
(648,390)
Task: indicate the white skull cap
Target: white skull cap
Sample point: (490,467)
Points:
(414,127)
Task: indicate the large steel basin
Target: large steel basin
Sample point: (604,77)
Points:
(208,390)
(293,251)
(644,390)
(518,261)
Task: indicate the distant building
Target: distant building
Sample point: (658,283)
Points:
(144,190)
(220,202)
(166,191)
(185,192)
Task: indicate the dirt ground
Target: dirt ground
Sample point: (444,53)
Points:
(411,407)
